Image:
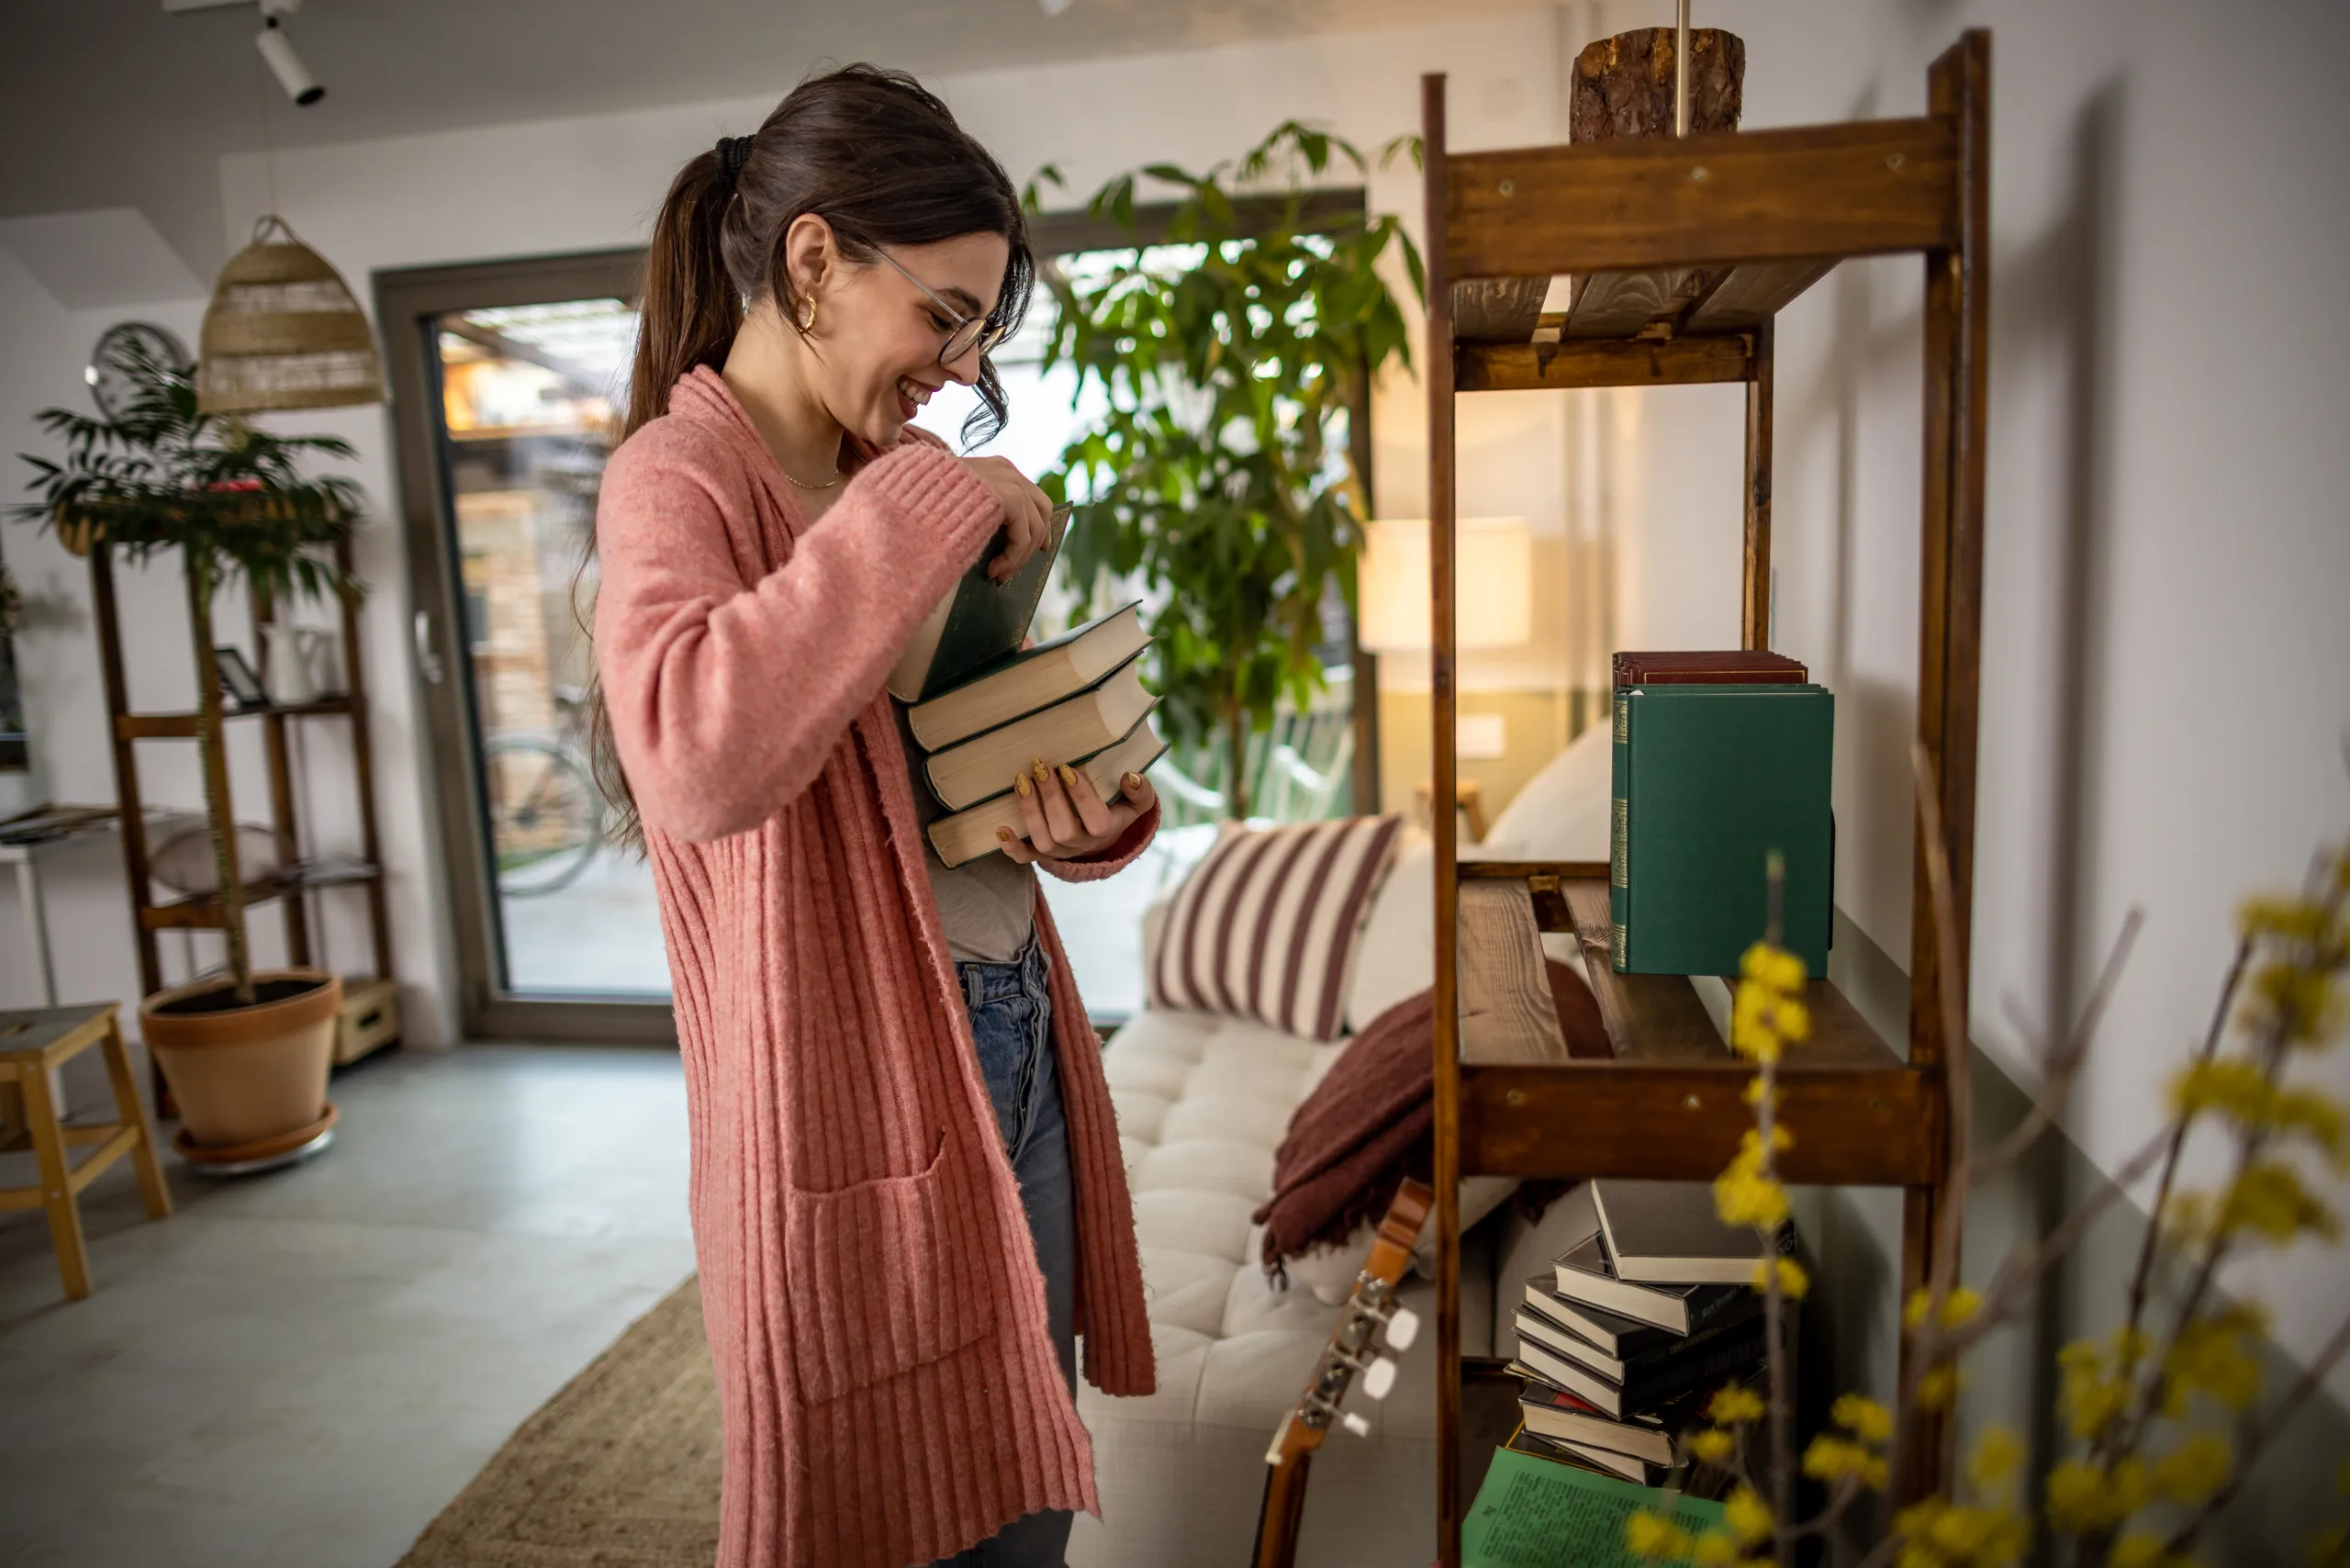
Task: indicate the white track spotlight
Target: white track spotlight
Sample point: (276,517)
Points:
(278,50)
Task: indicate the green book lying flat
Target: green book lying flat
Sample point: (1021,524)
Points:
(1709,781)
(1534,1513)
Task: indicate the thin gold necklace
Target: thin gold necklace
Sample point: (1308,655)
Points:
(804,484)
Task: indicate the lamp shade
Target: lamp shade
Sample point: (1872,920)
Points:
(1494,579)
(284,332)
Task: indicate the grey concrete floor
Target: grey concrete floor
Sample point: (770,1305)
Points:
(300,1370)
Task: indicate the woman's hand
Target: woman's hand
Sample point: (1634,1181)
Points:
(1066,819)
(1027,512)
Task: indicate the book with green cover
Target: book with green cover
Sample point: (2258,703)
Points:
(1709,779)
(978,620)
(1535,1513)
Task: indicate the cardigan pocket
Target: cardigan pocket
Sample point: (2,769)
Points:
(885,1275)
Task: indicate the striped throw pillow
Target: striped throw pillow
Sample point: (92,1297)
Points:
(1266,926)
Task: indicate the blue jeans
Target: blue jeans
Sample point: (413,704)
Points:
(1011,1024)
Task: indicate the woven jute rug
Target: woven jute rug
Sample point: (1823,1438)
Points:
(618,1470)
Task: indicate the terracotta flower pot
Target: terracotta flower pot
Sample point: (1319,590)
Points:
(243,1074)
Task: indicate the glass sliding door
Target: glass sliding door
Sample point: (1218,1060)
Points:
(511,380)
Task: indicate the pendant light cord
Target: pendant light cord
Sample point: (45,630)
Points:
(260,105)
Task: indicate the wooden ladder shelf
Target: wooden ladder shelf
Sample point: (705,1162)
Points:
(1683,252)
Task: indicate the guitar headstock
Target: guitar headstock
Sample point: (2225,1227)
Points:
(1371,1321)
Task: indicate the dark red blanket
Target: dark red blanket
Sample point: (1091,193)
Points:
(1370,1123)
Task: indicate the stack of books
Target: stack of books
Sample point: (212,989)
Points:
(1622,1343)
(1077,700)
(1722,760)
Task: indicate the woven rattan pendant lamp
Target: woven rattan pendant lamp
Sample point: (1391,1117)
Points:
(283,331)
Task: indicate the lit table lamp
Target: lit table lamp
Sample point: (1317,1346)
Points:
(1493,578)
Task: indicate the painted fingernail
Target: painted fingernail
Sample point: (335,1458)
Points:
(1043,772)
(1020,782)
(1068,775)
(1132,781)
(1004,836)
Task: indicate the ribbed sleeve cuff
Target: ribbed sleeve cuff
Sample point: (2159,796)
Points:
(936,487)
(1112,858)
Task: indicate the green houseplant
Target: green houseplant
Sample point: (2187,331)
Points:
(246,1054)
(1229,358)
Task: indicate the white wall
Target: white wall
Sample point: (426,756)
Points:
(2166,663)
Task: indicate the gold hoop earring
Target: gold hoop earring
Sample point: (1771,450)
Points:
(808,313)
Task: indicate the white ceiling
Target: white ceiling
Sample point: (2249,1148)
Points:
(114,103)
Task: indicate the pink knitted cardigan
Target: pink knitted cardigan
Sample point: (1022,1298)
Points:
(876,1315)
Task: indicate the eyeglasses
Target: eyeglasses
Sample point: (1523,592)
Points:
(968,333)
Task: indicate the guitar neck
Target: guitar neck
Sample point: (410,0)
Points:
(1280,1509)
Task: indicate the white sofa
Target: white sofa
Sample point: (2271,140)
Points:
(1202,1102)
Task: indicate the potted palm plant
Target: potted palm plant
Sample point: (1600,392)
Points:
(246,1054)
(1226,362)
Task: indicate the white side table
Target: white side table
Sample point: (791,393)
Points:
(24,840)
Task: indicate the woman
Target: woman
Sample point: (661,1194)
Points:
(907,1193)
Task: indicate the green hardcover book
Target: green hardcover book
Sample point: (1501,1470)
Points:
(977,621)
(1712,779)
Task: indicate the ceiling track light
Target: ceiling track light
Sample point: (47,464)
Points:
(276,48)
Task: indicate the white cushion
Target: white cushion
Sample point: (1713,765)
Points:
(1561,813)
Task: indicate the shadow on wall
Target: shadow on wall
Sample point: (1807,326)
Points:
(2055,298)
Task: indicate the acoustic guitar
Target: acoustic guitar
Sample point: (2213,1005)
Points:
(1370,1311)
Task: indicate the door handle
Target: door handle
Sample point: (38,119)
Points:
(428,662)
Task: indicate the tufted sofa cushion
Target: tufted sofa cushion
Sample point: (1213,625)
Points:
(1202,1102)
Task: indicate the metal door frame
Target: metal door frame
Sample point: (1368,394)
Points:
(407,301)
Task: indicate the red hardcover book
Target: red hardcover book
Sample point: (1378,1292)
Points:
(1727,667)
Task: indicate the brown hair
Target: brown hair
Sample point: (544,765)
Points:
(878,158)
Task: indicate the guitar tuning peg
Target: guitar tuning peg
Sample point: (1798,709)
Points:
(1403,1328)
(1379,1377)
(1354,1423)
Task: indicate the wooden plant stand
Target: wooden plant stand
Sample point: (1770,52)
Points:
(292,883)
(1683,250)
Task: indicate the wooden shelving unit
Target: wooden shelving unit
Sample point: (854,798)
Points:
(290,886)
(1683,252)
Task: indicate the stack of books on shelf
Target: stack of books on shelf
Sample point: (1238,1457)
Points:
(1635,1327)
(1721,761)
(983,708)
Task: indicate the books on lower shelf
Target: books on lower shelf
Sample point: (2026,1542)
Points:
(1625,1373)
(1710,780)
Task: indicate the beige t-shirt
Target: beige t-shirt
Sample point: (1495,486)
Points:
(988,905)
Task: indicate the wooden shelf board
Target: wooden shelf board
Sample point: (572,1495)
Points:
(1507,1011)
(1681,1122)
(183,726)
(202,912)
(1869,187)
(1601,361)
(1687,301)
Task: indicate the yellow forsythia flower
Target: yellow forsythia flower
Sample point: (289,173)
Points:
(1772,967)
(1736,1405)
(1794,1283)
(1711,1446)
(1715,1548)
(1653,1535)
(1743,1197)
(2317,1117)
(2195,1469)
(1937,1386)
(1748,1517)
(2139,1549)
(2209,1357)
(2090,1400)
(2083,1498)
(1830,1458)
(1996,1458)
(1862,1416)
(1978,1536)
(2298,999)
(2291,920)
(2270,1199)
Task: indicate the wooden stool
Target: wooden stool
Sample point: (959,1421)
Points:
(32,1044)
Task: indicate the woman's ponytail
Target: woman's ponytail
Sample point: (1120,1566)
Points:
(690,307)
